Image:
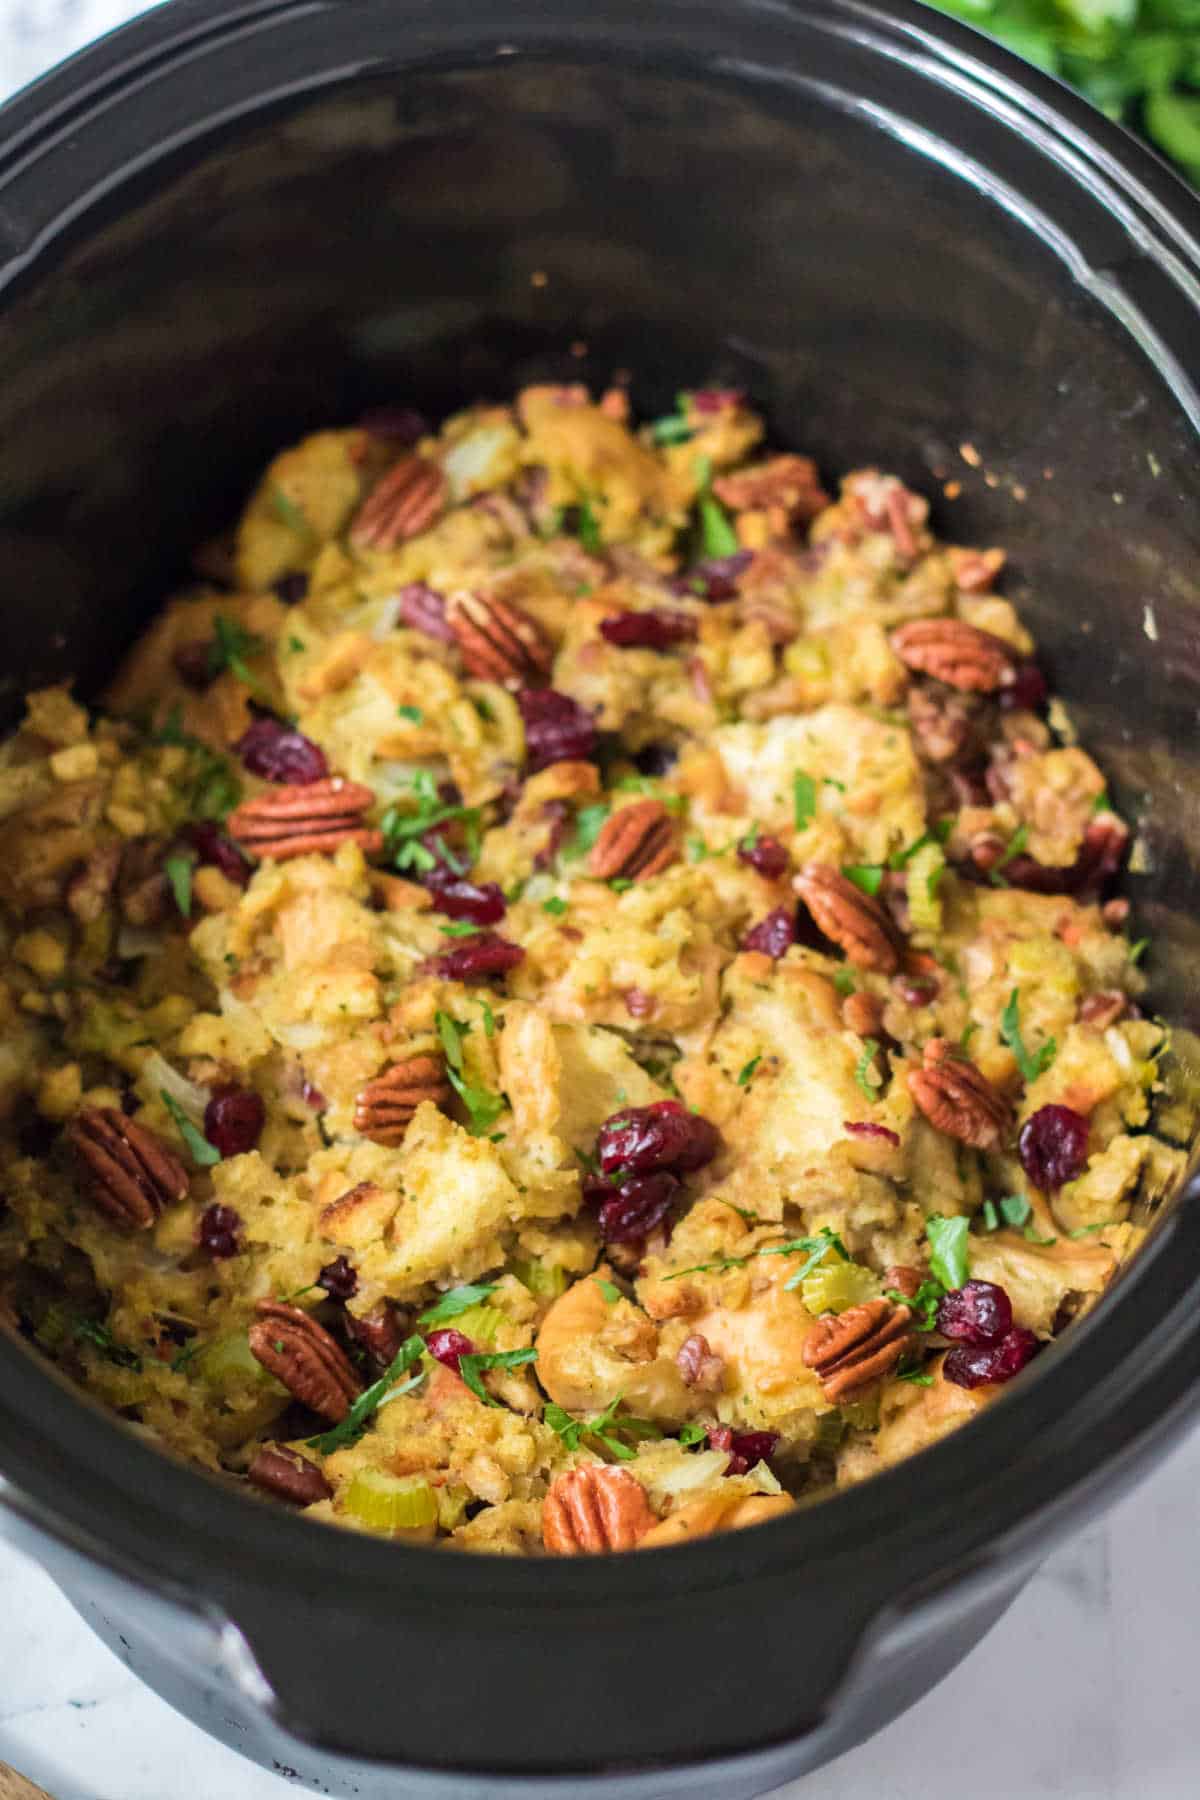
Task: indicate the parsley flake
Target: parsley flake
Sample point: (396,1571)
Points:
(1010,1030)
(472,1368)
(609,1289)
(556,907)
(866,1074)
(413,714)
(202,1152)
(804,800)
(868,877)
(1014,846)
(455,1301)
(746,1072)
(179,873)
(354,1424)
(948,1249)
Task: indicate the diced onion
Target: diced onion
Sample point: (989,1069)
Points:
(190,1095)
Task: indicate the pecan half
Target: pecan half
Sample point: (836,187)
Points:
(854,921)
(288,1476)
(128,1172)
(301,1354)
(788,486)
(595,1508)
(403,504)
(958,1100)
(850,1350)
(497,641)
(300,820)
(635,843)
(384,1107)
(957,653)
(943,723)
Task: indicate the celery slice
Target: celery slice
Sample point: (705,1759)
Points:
(391,1502)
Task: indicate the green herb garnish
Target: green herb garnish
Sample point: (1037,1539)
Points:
(1014,846)
(947,1240)
(746,1072)
(587,530)
(866,1074)
(90,1331)
(556,907)
(1015,1210)
(460,928)
(670,430)
(589,823)
(456,1300)
(413,714)
(355,1421)
(289,513)
(923,1304)
(609,1289)
(179,873)
(1010,1030)
(472,1368)
(914,1373)
(804,800)
(866,876)
(202,1152)
(230,647)
(691,1434)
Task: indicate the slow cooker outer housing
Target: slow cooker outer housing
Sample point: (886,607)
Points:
(229,223)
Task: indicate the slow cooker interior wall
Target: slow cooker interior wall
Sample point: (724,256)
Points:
(387,243)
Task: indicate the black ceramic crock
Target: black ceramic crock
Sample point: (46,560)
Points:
(236,219)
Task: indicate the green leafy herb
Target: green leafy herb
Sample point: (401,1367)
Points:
(1032,1237)
(606,1427)
(412,713)
(866,1074)
(214,789)
(1014,846)
(620,884)
(1015,1210)
(489,1021)
(556,907)
(90,1331)
(179,873)
(460,928)
(457,1300)
(588,531)
(671,430)
(472,1368)
(804,800)
(589,823)
(1010,1030)
(867,876)
(923,1304)
(230,647)
(483,1106)
(355,1421)
(843,981)
(746,1072)
(295,645)
(818,1248)
(185,1355)
(289,513)
(609,1289)
(916,1374)
(1138,950)
(990,1216)
(715,533)
(203,1154)
(691,1434)
(402,830)
(947,1240)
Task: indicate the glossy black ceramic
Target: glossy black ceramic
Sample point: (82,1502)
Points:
(230,222)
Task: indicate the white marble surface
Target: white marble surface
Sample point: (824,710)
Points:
(1085,1691)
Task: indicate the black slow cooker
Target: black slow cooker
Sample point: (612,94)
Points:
(237,219)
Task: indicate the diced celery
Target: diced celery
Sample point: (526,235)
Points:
(835,1286)
(479,1323)
(831,1429)
(452,1503)
(862,1415)
(925,872)
(545,1280)
(391,1502)
(229,1363)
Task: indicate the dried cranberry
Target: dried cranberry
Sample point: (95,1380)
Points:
(219,1232)
(642,1139)
(449,1346)
(339,1279)
(743,1448)
(766,854)
(479,957)
(628,1213)
(970,1365)
(1053,1147)
(864,1129)
(656,759)
(233,1120)
(193,664)
(715,579)
(482,904)
(1027,692)
(979,1312)
(557,728)
(276,752)
(312,1096)
(423,609)
(291,589)
(401,425)
(654,629)
(774,935)
(213,848)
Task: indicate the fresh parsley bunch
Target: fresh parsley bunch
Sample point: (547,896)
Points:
(1137,60)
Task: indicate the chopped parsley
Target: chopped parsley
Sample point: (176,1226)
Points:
(413,714)
(459,928)
(482,1105)
(691,1434)
(817,1247)
(355,1421)
(923,1304)
(715,533)
(589,823)
(914,1373)
(606,1427)
(289,514)
(1138,950)
(202,1152)
(457,1300)
(230,647)
(587,529)
(1010,1030)
(556,907)
(472,1368)
(866,876)
(609,1289)
(90,1331)
(402,831)
(804,800)
(746,1072)
(179,873)
(948,1249)
(1014,846)
(673,429)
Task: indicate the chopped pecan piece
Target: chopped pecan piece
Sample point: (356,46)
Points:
(699,1364)
(854,921)
(385,1106)
(406,502)
(974,571)
(635,843)
(594,1508)
(1103,1008)
(301,1354)
(787,488)
(863,1013)
(957,1099)
(942,722)
(377,1333)
(288,1476)
(498,642)
(850,1350)
(300,820)
(903,1277)
(130,1174)
(957,653)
